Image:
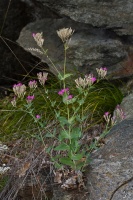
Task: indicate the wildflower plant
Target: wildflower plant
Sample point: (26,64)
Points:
(64,114)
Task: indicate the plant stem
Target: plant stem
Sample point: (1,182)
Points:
(45,52)
(65,49)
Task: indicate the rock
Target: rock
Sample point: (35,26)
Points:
(110,176)
(103,34)
(11,23)
(89,47)
(15,62)
(116,14)
(126,105)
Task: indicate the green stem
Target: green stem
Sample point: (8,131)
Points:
(65,49)
(45,52)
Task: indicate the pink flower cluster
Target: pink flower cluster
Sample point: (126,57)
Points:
(32,84)
(102,72)
(87,81)
(38,37)
(38,116)
(70,97)
(93,79)
(118,116)
(30,98)
(65,91)
(42,77)
(19,89)
(104,68)
(17,85)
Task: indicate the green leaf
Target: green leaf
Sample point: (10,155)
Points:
(76,157)
(63,77)
(62,147)
(64,135)
(67,161)
(76,133)
(80,102)
(57,165)
(69,101)
(57,113)
(71,120)
(38,137)
(42,125)
(75,146)
(55,158)
(60,76)
(49,149)
(78,118)
(63,121)
(49,135)
(67,75)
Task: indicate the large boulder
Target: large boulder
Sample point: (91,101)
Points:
(103,34)
(110,176)
(13,17)
(89,47)
(116,14)
(15,62)
(126,105)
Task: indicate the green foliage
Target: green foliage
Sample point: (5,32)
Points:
(16,122)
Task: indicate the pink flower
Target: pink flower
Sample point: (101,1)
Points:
(19,89)
(119,112)
(42,77)
(70,96)
(30,98)
(32,84)
(38,116)
(104,68)
(38,38)
(106,113)
(93,79)
(33,34)
(61,92)
(17,85)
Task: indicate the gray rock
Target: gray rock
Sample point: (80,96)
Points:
(15,62)
(126,106)
(103,36)
(111,174)
(89,47)
(12,57)
(109,14)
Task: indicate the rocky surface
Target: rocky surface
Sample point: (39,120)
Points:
(89,47)
(116,14)
(103,34)
(15,62)
(13,16)
(111,174)
(126,106)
